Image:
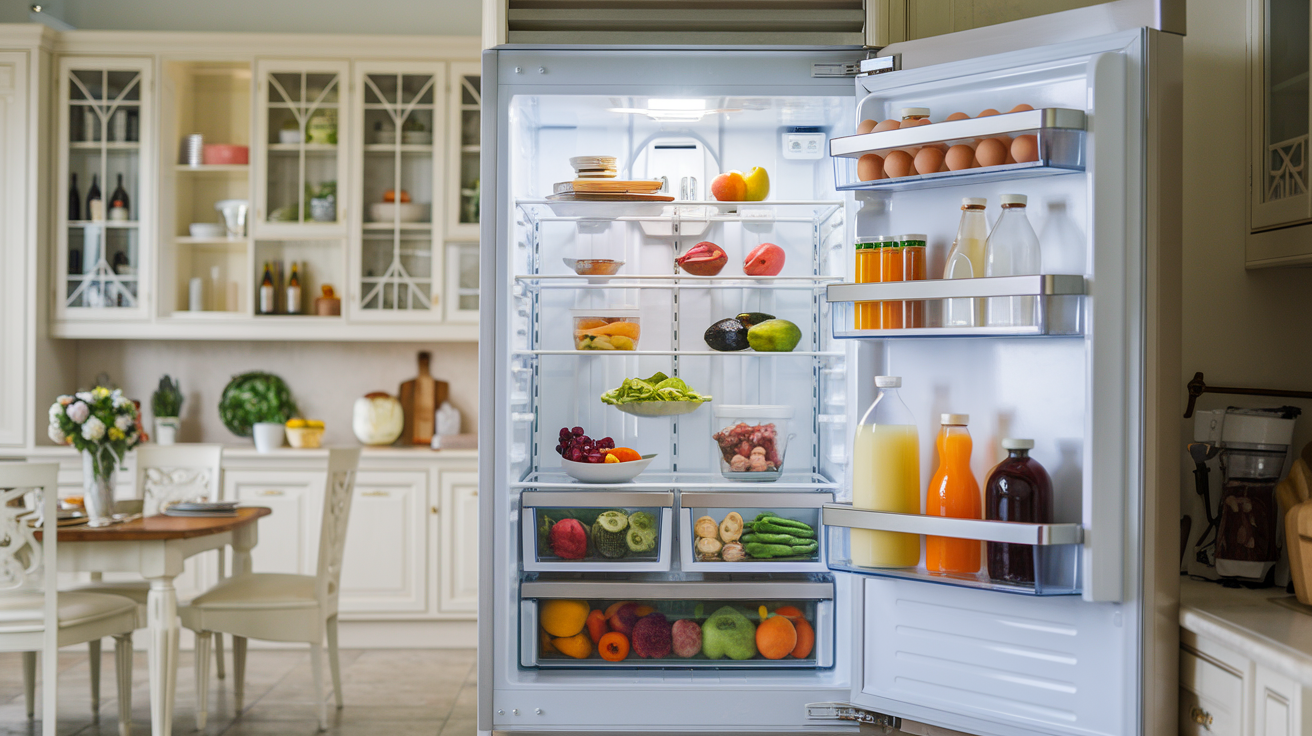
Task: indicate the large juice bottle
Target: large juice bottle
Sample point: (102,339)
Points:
(953,492)
(966,260)
(886,477)
(1012,250)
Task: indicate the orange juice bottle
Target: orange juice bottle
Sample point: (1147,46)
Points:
(866,313)
(913,269)
(954,492)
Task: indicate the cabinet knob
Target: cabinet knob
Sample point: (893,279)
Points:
(432,510)
(1201,717)
(271,492)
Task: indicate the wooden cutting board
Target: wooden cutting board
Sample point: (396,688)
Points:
(420,398)
(607,186)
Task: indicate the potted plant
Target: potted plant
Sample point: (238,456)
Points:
(166,405)
(102,425)
(257,404)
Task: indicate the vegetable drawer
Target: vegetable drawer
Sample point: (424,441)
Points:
(582,531)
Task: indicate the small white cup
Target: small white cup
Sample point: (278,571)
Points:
(268,436)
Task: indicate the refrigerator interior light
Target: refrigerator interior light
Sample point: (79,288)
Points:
(674,109)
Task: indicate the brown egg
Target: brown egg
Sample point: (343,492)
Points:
(991,152)
(870,167)
(866,126)
(886,125)
(898,163)
(958,116)
(987,113)
(1022,107)
(959,157)
(929,160)
(1025,148)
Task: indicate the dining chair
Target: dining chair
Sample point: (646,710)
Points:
(34,615)
(165,475)
(279,606)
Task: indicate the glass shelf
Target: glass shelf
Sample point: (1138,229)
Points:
(703,353)
(213,168)
(557,480)
(701,210)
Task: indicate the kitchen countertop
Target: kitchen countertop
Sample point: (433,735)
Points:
(247,452)
(1247,622)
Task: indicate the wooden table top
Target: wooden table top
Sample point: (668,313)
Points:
(159,528)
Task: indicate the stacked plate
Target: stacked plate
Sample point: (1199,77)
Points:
(202,508)
(594,167)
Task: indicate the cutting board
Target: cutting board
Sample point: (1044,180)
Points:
(607,186)
(420,398)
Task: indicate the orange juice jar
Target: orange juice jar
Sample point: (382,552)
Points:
(913,269)
(867,272)
(890,269)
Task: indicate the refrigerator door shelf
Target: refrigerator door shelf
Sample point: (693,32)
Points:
(538,507)
(675,282)
(803,507)
(953,131)
(554,480)
(1054,316)
(1053,548)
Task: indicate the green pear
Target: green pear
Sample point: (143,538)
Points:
(758,184)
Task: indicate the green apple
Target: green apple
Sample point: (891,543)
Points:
(758,184)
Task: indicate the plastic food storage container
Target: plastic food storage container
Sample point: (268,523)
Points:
(713,539)
(581,531)
(751,441)
(606,329)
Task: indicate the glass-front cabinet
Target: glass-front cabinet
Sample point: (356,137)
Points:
(104,216)
(399,190)
(303,130)
(464,136)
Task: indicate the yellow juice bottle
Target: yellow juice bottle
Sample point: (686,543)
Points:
(886,477)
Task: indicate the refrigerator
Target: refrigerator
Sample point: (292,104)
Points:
(1086,648)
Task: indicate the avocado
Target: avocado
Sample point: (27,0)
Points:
(727,335)
(753,318)
(774,336)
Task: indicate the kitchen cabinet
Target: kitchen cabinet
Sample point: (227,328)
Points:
(1279,705)
(289,537)
(14,415)
(462,282)
(385,565)
(459,534)
(464,136)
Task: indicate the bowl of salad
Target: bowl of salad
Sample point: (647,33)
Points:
(657,396)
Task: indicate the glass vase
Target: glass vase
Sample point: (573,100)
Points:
(98,486)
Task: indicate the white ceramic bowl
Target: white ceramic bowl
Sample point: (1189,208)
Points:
(659,408)
(388,211)
(207,230)
(606,472)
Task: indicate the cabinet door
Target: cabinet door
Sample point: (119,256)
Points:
(400,154)
(288,537)
(14,416)
(464,135)
(1280,706)
(1278,113)
(386,559)
(301,133)
(458,578)
(1211,695)
(106,187)
(462,282)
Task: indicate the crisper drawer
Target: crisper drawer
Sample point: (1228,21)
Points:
(676,624)
(591,531)
(774,532)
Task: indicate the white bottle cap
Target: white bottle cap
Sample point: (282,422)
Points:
(1020,199)
(913,112)
(888,381)
(961,419)
(1011,444)
(974,201)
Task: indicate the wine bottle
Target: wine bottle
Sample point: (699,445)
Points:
(74,200)
(294,292)
(118,202)
(266,291)
(95,205)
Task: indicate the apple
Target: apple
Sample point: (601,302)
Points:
(758,184)
(729,187)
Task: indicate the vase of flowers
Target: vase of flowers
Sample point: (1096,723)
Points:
(166,405)
(102,425)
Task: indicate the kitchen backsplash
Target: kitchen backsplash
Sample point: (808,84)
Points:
(325,378)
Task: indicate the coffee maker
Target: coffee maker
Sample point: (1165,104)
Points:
(1240,541)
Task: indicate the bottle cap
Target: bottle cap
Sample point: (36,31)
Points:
(1019,199)
(974,202)
(913,112)
(1014,444)
(917,238)
(888,381)
(956,419)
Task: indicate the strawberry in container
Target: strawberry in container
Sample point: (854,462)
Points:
(752,441)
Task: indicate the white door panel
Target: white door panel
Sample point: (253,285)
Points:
(385,563)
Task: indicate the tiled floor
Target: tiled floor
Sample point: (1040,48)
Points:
(398,693)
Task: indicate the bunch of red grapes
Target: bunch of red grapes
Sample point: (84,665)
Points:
(580,448)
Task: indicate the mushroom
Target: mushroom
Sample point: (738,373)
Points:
(732,527)
(733,552)
(706,527)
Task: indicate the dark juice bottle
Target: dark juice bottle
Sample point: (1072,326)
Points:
(1018,489)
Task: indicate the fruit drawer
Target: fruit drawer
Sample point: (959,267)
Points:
(580,531)
(779,532)
(676,625)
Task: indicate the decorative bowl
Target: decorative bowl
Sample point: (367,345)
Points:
(606,472)
(388,211)
(304,438)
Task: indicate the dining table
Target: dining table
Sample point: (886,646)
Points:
(155,548)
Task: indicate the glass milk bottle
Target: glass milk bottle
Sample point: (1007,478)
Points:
(1012,250)
(886,477)
(965,261)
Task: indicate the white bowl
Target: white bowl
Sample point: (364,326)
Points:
(658,408)
(606,472)
(388,211)
(207,230)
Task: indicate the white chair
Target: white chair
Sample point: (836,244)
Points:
(166,474)
(27,608)
(278,606)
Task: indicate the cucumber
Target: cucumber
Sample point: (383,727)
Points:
(809,548)
(777,539)
(773,519)
(768,527)
(761,550)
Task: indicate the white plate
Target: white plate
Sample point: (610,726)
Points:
(659,408)
(606,472)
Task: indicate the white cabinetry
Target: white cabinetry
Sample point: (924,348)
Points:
(1280,706)
(1224,692)
(289,536)
(385,566)
(459,558)
(14,256)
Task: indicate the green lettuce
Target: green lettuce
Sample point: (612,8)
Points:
(658,387)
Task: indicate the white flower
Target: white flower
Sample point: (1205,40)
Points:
(123,421)
(85,396)
(56,434)
(93,430)
(56,411)
(79,412)
(120,400)
(64,400)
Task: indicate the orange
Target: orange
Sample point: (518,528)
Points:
(564,618)
(775,638)
(578,646)
(790,612)
(547,647)
(597,627)
(805,639)
(625,454)
(613,647)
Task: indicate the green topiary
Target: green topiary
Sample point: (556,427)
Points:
(167,399)
(252,398)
